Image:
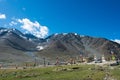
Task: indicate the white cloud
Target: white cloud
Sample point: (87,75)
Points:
(2,16)
(33,27)
(12,23)
(117,40)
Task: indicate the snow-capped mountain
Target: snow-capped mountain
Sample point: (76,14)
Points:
(15,39)
(66,45)
(14,45)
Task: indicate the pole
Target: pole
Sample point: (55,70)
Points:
(44,62)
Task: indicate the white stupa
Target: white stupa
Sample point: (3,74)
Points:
(95,58)
(103,58)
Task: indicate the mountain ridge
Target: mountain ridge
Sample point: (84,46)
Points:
(65,45)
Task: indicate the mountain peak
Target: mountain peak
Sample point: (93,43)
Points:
(62,44)
(64,35)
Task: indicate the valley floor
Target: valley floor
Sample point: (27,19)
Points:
(68,72)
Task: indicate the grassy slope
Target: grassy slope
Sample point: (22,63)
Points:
(84,72)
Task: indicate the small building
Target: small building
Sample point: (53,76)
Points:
(103,58)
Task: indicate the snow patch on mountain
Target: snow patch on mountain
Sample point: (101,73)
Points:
(75,34)
(55,34)
(3,30)
(82,35)
(117,41)
(39,47)
(23,36)
(64,34)
(30,39)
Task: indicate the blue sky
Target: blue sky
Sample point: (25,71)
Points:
(99,18)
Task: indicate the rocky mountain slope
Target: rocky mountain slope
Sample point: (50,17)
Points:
(69,45)
(14,45)
(18,47)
